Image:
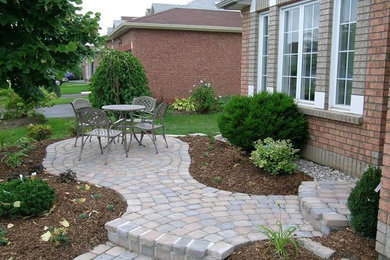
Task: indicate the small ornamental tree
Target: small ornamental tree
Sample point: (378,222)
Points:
(119,78)
(40,40)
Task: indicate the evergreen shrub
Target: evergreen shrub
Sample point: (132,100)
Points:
(248,119)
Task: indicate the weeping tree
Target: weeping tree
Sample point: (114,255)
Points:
(39,40)
(119,78)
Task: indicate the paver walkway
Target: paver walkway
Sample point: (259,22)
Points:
(167,207)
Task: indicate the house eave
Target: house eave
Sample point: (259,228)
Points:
(126,26)
(234,4)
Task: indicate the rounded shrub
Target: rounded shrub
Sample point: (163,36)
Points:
(248,119)
(39,132)
(363,202)
(27,197)
(204,97)
(119,78)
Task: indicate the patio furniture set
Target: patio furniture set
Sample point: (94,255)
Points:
(141,116)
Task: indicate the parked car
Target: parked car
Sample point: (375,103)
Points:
(70,75)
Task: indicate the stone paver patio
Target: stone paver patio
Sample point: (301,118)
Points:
(169,214)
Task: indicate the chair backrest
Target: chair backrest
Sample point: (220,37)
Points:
(80,103)
(93,117)
(160,111)
(148,102)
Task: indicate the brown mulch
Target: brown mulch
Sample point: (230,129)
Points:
(84,234)
(210,160)
(213,160)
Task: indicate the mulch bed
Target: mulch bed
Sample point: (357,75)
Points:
(84,234)
(226,167)
(213,161)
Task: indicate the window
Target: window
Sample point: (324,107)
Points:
(299,42)
(263,53)
(343,53)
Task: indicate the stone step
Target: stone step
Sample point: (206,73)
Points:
(159,245)
(325,209)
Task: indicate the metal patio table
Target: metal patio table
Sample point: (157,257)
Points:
(124,109)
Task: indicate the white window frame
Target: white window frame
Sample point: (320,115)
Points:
(334,67)
(261,88)
(300,40)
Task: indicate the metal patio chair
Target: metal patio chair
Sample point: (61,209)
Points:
(146,114)
(97,120)
(149,127)
(77,104)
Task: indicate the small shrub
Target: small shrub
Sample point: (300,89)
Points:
(204,97)
(248,119)
(25,144)
(363,202)
(68,176)
(27,197)
(83,216)
(96,196)
(72,128)
(14,105)
(39,132)
(3,240)
(184,104)
(218,179)
(110,207)
(13,159)
(274,156)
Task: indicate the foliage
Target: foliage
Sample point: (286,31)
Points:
(17,107)
(25,144)
(3,240)
(96,196)
(248,119)
(13,159)
(204,97)
(119,78)
(279,239)
(67,176)
(3,138)
(218,179)
(83,216)
(39,132)
(222,102)
(71,127)
(26,197)
(363,202)
(274,156)
(184,104)
(57,236)
(110,207)
(40,40)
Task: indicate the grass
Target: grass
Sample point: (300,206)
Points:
(175,124)
(73,88)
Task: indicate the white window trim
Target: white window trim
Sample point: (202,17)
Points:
(260,53)
(357,101)
(280,52)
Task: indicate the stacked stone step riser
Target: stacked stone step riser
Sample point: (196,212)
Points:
(163,246)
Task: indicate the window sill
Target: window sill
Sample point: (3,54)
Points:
(332,115)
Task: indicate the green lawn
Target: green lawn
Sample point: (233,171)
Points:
(73,88)
(175,124)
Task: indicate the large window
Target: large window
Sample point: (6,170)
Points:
(344,43)
(299,50)
(263,53)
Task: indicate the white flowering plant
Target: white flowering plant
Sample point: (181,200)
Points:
(204,97)
(275,156)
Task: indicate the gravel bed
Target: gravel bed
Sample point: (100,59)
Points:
(322,173)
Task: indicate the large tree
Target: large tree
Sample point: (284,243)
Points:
(39,40)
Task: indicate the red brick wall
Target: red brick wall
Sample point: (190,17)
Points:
(176,60)
(245,52)
(380,75)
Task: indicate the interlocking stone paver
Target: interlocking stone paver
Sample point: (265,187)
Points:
(162,197)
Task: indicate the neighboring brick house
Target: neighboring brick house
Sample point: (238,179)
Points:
(333,57)
(180,47)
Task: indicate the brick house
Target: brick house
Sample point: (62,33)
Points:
(333,57)
(181,46)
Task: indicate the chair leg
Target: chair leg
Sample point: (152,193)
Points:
(163,130)
(77,136)
(100,144)
(142,137)
(154,141)
(82,146)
